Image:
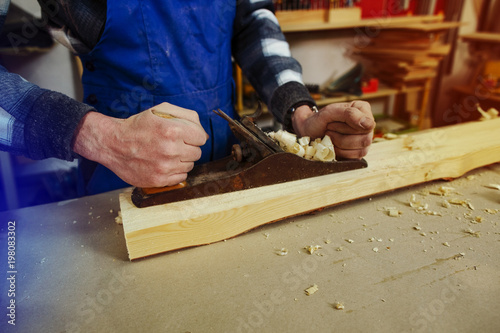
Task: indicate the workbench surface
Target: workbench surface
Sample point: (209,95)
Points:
(409,273)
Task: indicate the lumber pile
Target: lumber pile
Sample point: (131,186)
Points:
(401,56)
(446,152)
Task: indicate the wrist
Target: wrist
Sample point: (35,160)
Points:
(299,117)
(90,137)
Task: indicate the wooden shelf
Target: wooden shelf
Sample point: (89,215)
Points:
(471,91)
(424,22)
(485,37)
(388,93)
(382,92)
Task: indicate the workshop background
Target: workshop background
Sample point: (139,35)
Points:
(334,41)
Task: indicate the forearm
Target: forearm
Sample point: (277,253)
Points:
(260,48)
(37,123)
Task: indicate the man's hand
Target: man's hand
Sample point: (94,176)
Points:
(145,150)
(349,125)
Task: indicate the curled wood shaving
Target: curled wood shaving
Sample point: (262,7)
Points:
(492,113)
(318,150)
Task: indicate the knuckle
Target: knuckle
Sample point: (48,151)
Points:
(173,132)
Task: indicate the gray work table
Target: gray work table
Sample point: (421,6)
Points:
(411,273)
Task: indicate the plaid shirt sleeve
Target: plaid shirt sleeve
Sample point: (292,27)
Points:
(36,122)
(263,54)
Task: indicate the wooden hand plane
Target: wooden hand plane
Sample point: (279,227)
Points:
(257,161)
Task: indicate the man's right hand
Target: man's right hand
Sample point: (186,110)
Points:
(145,150)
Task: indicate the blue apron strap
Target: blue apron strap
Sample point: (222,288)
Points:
(179,52)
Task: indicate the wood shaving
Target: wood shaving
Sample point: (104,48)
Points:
(338,306)
(421,208)
(390,136)
(118,218)
(446,244)
(443,191)
(318,150)
(391,211)
(491,211)
(311,290)
(394,213)
(349,241)
(312,248)
(492,113)
(459,202)
(493,186)
(446,204)
(473,233)
(282,252)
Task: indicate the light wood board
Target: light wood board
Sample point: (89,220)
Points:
(447,152)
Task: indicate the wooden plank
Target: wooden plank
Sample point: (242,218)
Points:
(446,152)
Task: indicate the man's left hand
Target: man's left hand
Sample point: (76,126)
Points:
(349,125)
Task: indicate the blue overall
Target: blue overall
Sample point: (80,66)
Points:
(162,51)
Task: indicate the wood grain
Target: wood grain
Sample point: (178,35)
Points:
(447,152)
